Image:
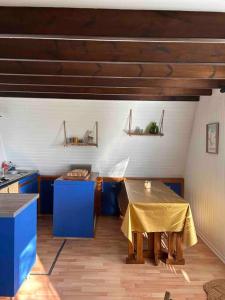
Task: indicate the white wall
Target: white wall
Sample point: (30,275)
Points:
(2,151)
(33,135)
(2,148)
(205,175)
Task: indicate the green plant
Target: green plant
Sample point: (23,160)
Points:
(152,128)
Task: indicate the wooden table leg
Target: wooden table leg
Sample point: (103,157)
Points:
(179,249)
(135,249)
(157,246)
(139,256)
(131,253)
(171,248)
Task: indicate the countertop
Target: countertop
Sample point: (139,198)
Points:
(93,177)
(16,177)
(12,204)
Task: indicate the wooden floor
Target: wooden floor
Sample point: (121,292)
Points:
(95,269)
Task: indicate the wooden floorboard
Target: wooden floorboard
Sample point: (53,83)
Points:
(95,269)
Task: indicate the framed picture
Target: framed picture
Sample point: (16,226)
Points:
(212,138)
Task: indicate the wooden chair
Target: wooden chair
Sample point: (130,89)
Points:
(167,296)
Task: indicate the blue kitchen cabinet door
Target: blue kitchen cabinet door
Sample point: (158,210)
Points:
(18,238)
(110,192)
(73,214)
(46,196)
(29,185)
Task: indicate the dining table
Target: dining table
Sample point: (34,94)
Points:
(156,215)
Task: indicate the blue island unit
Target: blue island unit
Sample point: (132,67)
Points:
(18,222)
(73,211)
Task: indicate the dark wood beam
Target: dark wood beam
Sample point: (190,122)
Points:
(107,22)
(112,81)
(98,96)
(51,48)
(106,90)
(105,69)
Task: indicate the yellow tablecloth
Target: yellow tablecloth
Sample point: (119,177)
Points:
(156,210)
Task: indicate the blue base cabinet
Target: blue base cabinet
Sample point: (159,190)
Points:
(17,249)
(176,187)
(46,194)
(73,209)
(110,192)
(29,184)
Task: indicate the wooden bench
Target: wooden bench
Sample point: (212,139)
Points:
(170,253)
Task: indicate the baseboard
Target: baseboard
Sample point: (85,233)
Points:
(211,246)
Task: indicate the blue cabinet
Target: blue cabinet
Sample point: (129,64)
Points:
(176,187)
(17,249)
(110,192)
(73,212)
(29,184)
(46,194)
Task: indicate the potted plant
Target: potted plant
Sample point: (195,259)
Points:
(152,128)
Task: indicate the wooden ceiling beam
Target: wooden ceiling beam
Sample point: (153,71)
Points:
(75,96)
(108,22)
(104,54)
(116,69)
(106,90)
(112,82)
(52,48)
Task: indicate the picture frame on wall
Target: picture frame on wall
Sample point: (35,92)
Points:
(212,138)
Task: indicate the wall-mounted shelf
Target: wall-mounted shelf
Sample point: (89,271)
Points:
(143,134)
(67,143)
(81,144)
(131,132)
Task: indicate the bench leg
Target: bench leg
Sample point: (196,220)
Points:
(150,251)
(179,247)
(157,247)
(175,249)
(171,248)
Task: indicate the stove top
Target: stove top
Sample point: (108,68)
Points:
(4,179)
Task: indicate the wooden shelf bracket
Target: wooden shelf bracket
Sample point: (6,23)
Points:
(68,143)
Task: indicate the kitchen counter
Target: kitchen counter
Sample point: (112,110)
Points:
(13,204)
(93,177)
(16,177)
